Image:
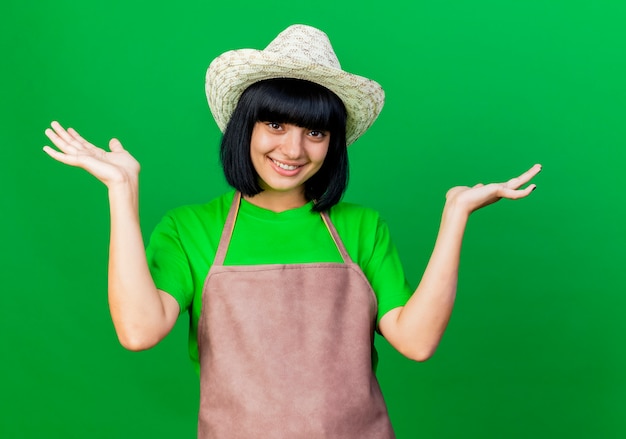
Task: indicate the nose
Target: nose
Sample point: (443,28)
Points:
(293,143)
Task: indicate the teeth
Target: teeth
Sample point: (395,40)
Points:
(284,166)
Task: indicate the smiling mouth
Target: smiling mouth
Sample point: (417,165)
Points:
(285,166)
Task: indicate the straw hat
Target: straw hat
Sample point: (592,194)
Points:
(300,52)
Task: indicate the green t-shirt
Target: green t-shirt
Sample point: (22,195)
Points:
(184,243)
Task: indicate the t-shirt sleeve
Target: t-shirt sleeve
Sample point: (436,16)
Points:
(385,272)
(168,262)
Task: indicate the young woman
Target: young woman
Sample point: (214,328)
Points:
(284,283)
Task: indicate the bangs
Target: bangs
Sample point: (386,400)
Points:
(298,102)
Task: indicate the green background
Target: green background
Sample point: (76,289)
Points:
(476,92)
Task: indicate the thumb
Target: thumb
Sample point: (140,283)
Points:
(115,145)
(454,191)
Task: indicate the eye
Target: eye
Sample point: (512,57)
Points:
(273,125)
(318,134)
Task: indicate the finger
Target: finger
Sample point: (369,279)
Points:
(71,137)
(517,182)
(62,132)
(59,142)
(68,159)
(87,162)
(115,145)
(80,139)
(513,194)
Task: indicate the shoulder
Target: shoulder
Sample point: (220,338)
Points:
(214,209)
(361,228)
(354,217)
(188,220)
(353,211)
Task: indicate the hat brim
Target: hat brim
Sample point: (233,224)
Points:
(231,73)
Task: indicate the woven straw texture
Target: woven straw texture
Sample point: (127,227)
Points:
(300,52)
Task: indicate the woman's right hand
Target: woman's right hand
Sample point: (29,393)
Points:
(111,168)
(142,314)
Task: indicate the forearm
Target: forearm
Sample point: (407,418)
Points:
(420,324)
(142,315)
(136,305)
(416,329)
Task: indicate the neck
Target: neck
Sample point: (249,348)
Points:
(278,201)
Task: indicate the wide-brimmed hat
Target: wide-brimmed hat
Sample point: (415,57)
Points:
(300,52)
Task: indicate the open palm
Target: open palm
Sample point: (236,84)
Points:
(481,195)
(110,167)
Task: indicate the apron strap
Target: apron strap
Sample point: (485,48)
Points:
(227,232)
(338,242)
(229,226)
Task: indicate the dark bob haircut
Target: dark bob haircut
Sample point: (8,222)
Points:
(297,102)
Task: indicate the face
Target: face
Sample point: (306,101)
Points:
(285,156)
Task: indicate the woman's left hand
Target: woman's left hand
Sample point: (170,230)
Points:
(416,328)
(469,199)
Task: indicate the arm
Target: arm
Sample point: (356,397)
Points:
(142,315)
(416,329)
